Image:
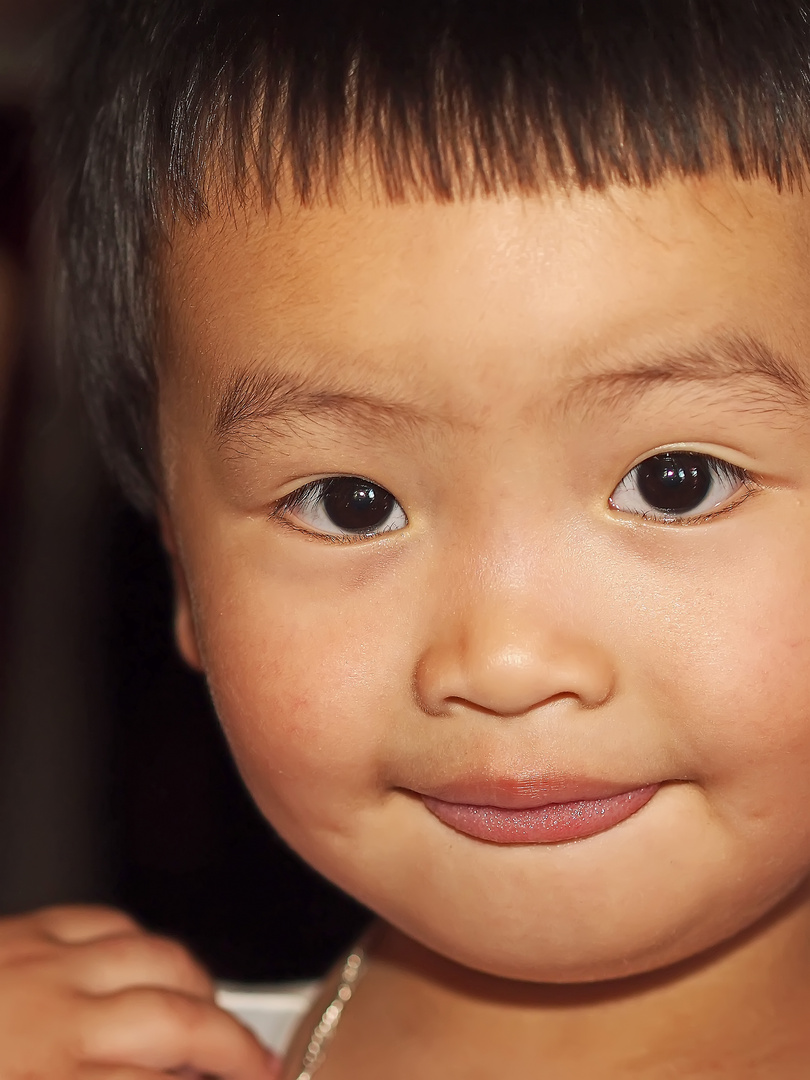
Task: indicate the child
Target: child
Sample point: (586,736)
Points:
(462,353)
(85,993)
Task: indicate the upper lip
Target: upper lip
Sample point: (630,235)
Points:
(528,792)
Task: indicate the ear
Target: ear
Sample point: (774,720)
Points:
(185,633)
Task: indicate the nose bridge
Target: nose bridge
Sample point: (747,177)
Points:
(514,629)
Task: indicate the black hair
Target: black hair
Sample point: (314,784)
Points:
(164,104)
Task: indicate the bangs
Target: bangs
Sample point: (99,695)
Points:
(165,108)
(457,101)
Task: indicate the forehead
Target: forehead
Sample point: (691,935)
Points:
(419,286)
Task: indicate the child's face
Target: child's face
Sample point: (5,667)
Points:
(520,624)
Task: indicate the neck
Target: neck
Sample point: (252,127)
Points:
(744,1004)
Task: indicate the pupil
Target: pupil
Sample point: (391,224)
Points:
(676,483)
(356,505)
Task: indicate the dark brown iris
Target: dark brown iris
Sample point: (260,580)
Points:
(674,483)
(355,505)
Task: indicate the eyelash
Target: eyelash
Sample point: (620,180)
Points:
(281,510)
(719,468)
(685,522)
(312,495)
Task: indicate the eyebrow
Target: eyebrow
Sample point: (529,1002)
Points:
(255,397)
(725,358)
(251,398)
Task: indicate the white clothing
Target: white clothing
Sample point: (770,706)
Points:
(272,1012)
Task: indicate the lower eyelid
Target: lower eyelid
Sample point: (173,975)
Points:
(744,495)
(724,470)
(307,497)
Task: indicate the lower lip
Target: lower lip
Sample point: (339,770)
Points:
(550,824)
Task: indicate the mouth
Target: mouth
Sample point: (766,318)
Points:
(509,814)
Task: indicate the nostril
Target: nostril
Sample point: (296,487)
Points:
(481,674)
(516,712)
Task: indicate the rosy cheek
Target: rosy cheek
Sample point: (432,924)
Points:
(768,642)
(293,693)
(748,706)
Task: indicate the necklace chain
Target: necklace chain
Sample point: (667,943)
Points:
(325,1029)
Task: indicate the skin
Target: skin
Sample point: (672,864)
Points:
(523,623)
(87,994)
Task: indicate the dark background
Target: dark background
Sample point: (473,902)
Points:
(115,783)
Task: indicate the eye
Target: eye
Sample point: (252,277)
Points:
(679,487)
(343,507)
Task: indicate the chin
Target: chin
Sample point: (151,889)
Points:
(571,956)
(560,966)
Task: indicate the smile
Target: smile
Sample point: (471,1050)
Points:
(549,823)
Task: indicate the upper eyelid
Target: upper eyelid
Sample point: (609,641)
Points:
(749,487)
(699,449)
(724,463)
(322,480)
(315,487)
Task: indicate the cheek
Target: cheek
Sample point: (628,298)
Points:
(733,677)
(302,684)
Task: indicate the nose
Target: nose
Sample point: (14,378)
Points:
(508,656)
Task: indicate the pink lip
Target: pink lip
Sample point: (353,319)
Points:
(511,815)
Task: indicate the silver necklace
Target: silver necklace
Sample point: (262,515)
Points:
(325,1029)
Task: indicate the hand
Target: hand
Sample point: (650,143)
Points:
(86,994)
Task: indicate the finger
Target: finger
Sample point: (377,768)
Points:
(118,1072)
(164,1030)
(75,924)
(139,960)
